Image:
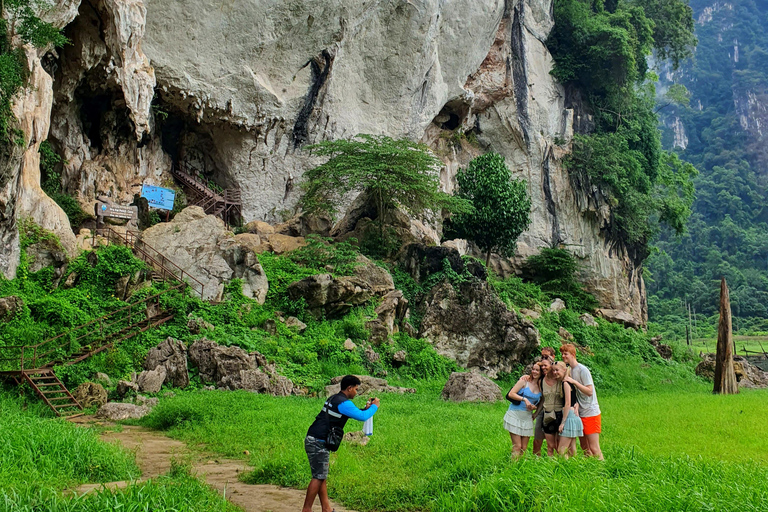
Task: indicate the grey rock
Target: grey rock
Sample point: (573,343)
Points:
(215,361)
(589,320)
(103,379)
(564,334)
(557,306)
(530,313)
(117,411)
(371,355)
(332,296)
(471,325)
(171,354)
(378,332)
(349,344)
(270,325)
(619,317)
(399,357)
(89,394)
(202,246)
(259,381)
(747,374)
(392,311)
(196,325)
(150,381)
(294,323)
(146,400)
(471,387)
(125,387)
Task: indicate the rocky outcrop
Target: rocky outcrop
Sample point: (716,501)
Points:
(117,411)
(470,325)
(368,386)
(619,317)
(171,355)
(151,381)
(202,246)
(9,307)
(471,387)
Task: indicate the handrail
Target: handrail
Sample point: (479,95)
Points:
(99,329)
(150,255)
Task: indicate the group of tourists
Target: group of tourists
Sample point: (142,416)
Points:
(556,402)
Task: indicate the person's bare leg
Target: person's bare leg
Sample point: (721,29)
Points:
(515,445)
(325,503)
(537,444)
(312,490)
(594,446)
(524,444)
(572,447)
(551,444)
(563,445)
(584,442)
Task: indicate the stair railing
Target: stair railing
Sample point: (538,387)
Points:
(167,269)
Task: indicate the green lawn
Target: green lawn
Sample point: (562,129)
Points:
(665,450)
(751,343)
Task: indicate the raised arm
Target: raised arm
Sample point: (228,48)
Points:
(587,390)
(347,408)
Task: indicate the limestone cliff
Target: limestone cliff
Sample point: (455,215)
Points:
(240,87)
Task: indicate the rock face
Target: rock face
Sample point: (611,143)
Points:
(473,327)
(241,111)
(9,307)
(201,245)
(117,411)
(171,355)
(471,387)
(619,317)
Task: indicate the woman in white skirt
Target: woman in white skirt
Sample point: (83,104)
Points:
(571,427)
(525,395)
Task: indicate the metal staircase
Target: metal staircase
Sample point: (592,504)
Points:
(226,204)
(33,364)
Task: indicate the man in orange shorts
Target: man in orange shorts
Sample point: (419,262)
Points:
(589,409)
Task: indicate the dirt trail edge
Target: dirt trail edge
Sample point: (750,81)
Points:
(154,452)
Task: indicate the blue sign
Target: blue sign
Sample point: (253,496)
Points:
(157,197)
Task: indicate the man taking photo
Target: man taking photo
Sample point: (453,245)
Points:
(334,414)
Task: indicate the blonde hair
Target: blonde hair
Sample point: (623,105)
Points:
(561,365)
(568,347)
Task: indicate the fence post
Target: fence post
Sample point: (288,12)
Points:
(21,368)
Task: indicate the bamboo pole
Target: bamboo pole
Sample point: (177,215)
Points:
(725,376)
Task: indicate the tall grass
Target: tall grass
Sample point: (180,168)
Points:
(665,451)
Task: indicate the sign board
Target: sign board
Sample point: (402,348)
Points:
(114,211)
(157,197)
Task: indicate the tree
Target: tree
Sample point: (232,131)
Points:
(393,173)
(501,206)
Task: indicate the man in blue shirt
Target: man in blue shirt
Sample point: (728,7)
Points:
(335,413)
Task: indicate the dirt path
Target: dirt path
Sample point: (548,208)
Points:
(154,452)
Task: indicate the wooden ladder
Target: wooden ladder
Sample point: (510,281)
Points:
(53,392)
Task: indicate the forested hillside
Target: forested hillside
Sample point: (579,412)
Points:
(722,131)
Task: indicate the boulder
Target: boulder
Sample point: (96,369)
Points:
(9,307)
(471,387)
(149,401)
(458,244)
(46,254)
(171,354)
(421,261)
(378,332)
(376,278)
(150,381)
(530,313)
(349,344)
(126,286)
(116,411)
(368,386)
(125,387)
(259,228)
(399,357)
(619,317)
(331,296)
(270,326)
(103,379)
(258,381)
(392,310)
(196,325)
(564,334)
(202,246)
(472,326)
(371,355)
(588,320)
(281,244)
(89,394)
(214,361)
(557,306)
(294,323)
(664,351)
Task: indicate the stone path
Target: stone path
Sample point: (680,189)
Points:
(154,452)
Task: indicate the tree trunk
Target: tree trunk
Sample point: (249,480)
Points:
(725,376)
(488,258)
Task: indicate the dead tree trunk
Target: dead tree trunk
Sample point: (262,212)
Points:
(725,376)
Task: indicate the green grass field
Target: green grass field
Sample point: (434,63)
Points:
(666,450)
(751,343)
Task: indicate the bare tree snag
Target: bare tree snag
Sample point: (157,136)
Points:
(725,376)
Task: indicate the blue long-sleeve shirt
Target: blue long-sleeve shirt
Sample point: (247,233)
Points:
(347,408)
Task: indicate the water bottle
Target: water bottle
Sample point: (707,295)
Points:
(368,426)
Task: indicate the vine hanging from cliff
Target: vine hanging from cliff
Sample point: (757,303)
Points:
(601,48)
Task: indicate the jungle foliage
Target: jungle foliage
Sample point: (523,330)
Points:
(727,235)
(601,49)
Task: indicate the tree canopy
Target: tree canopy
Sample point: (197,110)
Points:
(502,206)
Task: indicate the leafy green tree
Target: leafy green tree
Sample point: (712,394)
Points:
(673,36)
(393,173)
(502,207)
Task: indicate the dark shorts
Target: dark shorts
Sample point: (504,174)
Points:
(538,430)
(553,426)
(318,456)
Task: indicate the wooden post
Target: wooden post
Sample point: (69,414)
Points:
(725,376)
